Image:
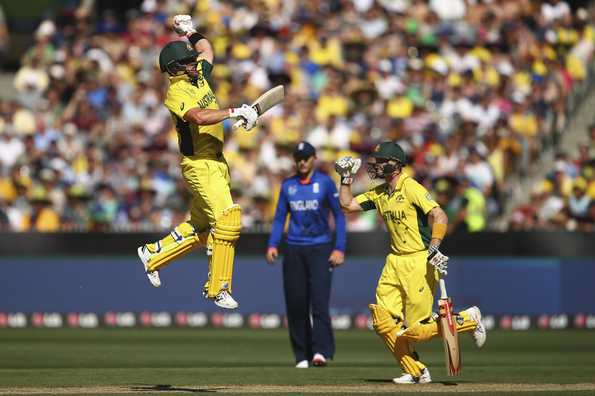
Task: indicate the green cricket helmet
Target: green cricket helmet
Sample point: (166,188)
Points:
(389,150)
(388,157)
(174,55)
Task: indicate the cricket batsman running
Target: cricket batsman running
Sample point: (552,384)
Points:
(402,314)
(214,218)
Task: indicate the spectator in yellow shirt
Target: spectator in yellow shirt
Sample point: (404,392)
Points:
(331,102)
(43,217)
(524,121)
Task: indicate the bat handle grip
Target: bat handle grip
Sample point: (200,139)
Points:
(443,289)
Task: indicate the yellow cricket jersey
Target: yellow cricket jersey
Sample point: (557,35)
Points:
(196,142)
(404,212)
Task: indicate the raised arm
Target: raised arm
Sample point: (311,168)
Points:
(347,167)
(347,201)
(184,26)
(204,49)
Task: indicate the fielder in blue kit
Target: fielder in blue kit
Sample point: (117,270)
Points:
(309,257)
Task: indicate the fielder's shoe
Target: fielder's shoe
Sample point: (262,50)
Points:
(225,300)
(302,364)
(424,378)
(318,360)
(145,255)
(480,333)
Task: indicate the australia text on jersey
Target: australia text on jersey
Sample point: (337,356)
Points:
(394,215)
(206,100)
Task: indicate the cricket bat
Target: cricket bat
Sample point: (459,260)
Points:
(450,336)
(265,101)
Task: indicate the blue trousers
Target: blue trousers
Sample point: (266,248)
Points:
(307,284)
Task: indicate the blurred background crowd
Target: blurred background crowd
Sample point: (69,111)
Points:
(473,90)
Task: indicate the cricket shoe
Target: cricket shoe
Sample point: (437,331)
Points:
(224,300)
(302,364)
(319,360)
(480,333)
(408,379)
(145,255)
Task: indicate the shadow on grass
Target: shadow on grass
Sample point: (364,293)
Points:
(170,388)
(378,380)
(389,381)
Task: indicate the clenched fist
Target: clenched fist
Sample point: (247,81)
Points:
(183,25)
(347,167)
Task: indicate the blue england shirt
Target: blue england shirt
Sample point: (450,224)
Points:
(308,204)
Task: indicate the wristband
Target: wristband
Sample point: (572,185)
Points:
(195,37)
(438,231)
(346,181)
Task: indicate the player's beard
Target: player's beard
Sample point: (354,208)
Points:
(192,74)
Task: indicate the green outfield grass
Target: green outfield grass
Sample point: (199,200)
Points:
(166,361)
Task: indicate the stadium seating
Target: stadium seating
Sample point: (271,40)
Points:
(473,91)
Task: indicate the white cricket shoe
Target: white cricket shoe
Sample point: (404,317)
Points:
(145,255)
(225,300)
(302,364)
(319,360)
(424,378)
(480,334)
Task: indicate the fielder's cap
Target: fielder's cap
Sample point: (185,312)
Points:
(389,150)
(303,150)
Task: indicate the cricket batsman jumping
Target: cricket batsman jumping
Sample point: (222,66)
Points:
(402,314)
(214,218)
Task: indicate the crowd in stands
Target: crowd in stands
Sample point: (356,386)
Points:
(565,198)
(473,90)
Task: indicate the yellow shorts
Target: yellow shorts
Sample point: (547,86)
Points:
(209,182)
(406,287)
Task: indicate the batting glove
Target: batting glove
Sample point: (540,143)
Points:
(246,114)
(347,167)
(438,260)
(183,25)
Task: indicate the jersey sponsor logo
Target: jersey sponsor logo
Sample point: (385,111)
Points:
(315,188)
(291,190)
(303,205)
(206,100)
(182,106)
(400,198)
